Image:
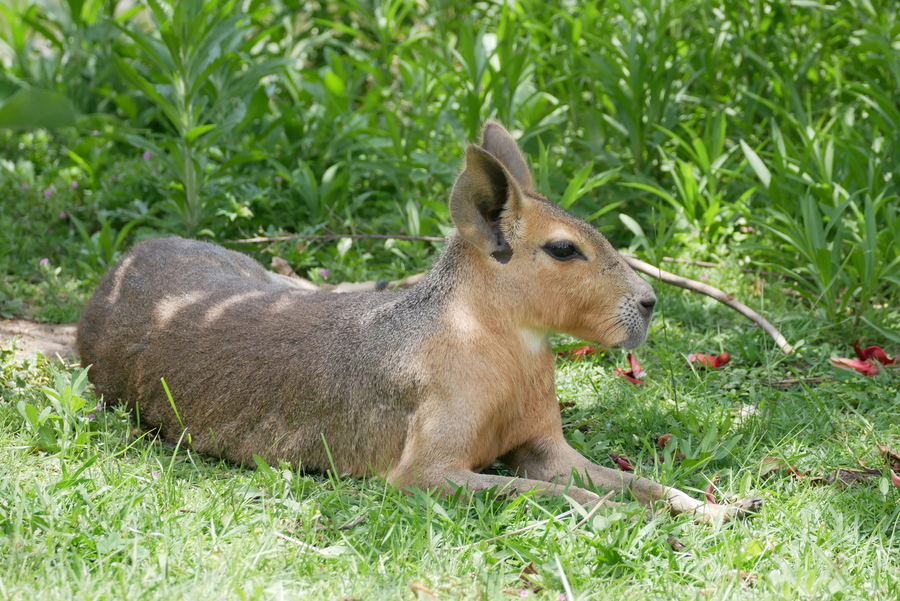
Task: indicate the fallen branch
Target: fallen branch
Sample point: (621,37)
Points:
(722,297)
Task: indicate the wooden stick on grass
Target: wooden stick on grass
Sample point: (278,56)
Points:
(722,297)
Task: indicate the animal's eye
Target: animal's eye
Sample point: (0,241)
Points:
(562,250)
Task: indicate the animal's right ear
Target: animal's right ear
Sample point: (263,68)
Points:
(484,196)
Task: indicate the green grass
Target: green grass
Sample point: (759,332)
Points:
(760,135)
(125,517)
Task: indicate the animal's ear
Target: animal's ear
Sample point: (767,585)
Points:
(497,141)
(484,197)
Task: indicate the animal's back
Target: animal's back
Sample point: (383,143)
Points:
(240,350)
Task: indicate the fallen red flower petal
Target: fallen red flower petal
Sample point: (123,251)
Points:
(575,353)
(895,479)
(635,366)
(628,375)
(797,474)
(712,361)
(632,374)
(622,463)
(873,352)
(866,368)
(709,495)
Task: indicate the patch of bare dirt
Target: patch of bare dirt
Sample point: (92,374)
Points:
(49,339)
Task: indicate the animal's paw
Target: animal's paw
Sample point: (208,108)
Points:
(710,513)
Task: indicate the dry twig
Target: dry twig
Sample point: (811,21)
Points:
(722,297)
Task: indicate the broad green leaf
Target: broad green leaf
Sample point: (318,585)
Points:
(34,109)
(198,131)
(762,172)
(343,246)
(334,84)
(633,226)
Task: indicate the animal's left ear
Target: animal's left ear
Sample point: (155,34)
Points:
(484,197)
(497,141)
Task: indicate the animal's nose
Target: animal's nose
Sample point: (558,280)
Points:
(647,303)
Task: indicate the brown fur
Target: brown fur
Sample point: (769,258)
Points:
(425,386)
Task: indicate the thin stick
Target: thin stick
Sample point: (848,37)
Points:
(591,512)
(792,381)
(725,299)
(685,261)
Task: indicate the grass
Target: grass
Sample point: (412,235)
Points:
(757,135)
(122,516)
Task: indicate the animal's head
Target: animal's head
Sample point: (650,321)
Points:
(550,269)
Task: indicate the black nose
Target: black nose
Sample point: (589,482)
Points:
(648,303)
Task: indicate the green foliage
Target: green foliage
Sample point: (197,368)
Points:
(680,128)
(32,109)
(132,518)
(753,134)
(62,426)
(198,70)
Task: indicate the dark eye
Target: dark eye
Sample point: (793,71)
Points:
(563,250)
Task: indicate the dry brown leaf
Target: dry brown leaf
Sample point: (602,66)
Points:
(747,579)
(525,576)
(890,456)
(756,287)
(663,440)
(847,477)
(676,544)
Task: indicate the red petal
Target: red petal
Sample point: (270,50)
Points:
(866,368)
(628,375)
(583,350)
(709,495)
(636,369)
(797,474)
(622,463)
(873,352)
(708,360)
(895,478)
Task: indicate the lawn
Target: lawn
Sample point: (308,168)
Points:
(754,142)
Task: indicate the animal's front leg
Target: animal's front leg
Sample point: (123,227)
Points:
(554,460)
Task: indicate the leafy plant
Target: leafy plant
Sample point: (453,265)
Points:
(61,426)
(195,68)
